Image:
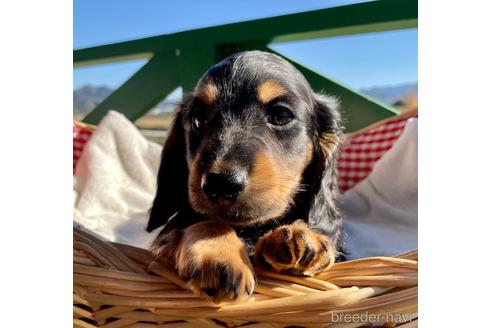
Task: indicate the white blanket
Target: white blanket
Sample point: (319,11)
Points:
(380,213)
(114,186)
(115,181)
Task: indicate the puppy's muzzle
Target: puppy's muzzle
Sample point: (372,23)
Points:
(227,185)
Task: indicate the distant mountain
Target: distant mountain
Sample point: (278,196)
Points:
(88,97)
(393,93)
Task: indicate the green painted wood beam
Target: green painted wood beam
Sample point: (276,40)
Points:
(156,79)
(193,62)
(102,61)
(165,72)
(358,109)
(351,30)
(345,20)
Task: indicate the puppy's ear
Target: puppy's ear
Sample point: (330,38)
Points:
(328,125)
(172,179)
(324,216)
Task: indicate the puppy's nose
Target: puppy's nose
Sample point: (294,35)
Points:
(224,184)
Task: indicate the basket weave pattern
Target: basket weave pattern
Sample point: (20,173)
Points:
(117,285)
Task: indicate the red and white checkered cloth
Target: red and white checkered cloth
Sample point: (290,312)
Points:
(355,161)
(363,150)
(80,137)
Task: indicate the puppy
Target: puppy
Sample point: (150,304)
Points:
(248,169)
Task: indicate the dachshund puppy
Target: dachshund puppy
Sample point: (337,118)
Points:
(248,169)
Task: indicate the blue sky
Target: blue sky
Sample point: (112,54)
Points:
(358,61)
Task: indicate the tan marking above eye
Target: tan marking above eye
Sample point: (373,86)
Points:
(207,92)
(269,90)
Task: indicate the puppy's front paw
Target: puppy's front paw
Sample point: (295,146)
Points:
(295,249)
(213,260)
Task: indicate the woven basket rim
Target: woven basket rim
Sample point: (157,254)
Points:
(403,114)
(85,126)
(114,281)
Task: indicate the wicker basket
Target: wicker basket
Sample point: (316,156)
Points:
(117,285)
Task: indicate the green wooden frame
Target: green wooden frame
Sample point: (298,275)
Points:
(179,59)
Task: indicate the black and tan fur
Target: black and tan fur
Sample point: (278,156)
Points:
(249,169)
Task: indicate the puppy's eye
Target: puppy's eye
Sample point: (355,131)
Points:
(198,122)
(280,115)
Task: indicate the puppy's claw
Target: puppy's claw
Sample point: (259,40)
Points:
(210,291)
